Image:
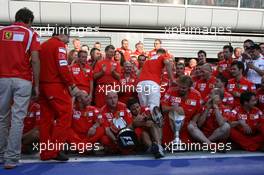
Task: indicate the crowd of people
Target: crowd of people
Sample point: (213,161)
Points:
(91,95)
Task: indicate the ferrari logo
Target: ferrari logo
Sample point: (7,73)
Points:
(8,35)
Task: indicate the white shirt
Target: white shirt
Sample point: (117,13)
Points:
(252,75)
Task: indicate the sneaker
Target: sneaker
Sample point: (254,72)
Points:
(61,157)
(160,152)
(9,166)
(154,149)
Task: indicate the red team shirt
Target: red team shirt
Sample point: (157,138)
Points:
(260,96)
(128,88)
(211,124)
(107,78)
(84,119)
(126,52)
(205,87)
(82,76)
(191,106)
(16,43)
(241,86)
(152,69)
(54,66)
(33,116)
(254,118)
(122,113)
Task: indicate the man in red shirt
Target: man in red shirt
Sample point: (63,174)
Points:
(106,76)
(145,128)
(96,56)
(148,87)
(125,49)
(87,122)
(56,87)
(83,73)
(247,123)
(128,83)
(207,81)
(201,57)
(221,83)
(191,66)
(19,46)
(211,124)
(223,66)
(116,116)
(185,100)
(157,45)
(260,95)
(139,49)
(238,84)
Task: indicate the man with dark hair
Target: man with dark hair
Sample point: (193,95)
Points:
(255,67)
(260,95)
(150,79)
(145,128)
(221,83)
(238,83)
(261,45)
(223,67)
(201,57)
(96,56)
(247,123)
(97,45)
(106,75)
(57,88)
(19,55)
(125,49)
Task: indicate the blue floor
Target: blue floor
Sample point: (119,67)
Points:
(205,166)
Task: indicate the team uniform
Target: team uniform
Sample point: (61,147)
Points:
(126,52)
(82,76)
(255,120)
(191,106)
(32,119)
(241,86)
(55,99)
(225,66)
(106,82)
(150,80)
(205,86)
(115,121)
(227,101)
(260,96)
(83,120)
(211,124)
(128,88)
(17,42)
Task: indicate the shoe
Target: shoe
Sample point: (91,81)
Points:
(154,149)
(10,166)
(160,152)
(61,157)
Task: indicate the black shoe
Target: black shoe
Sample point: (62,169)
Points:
(61,157)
